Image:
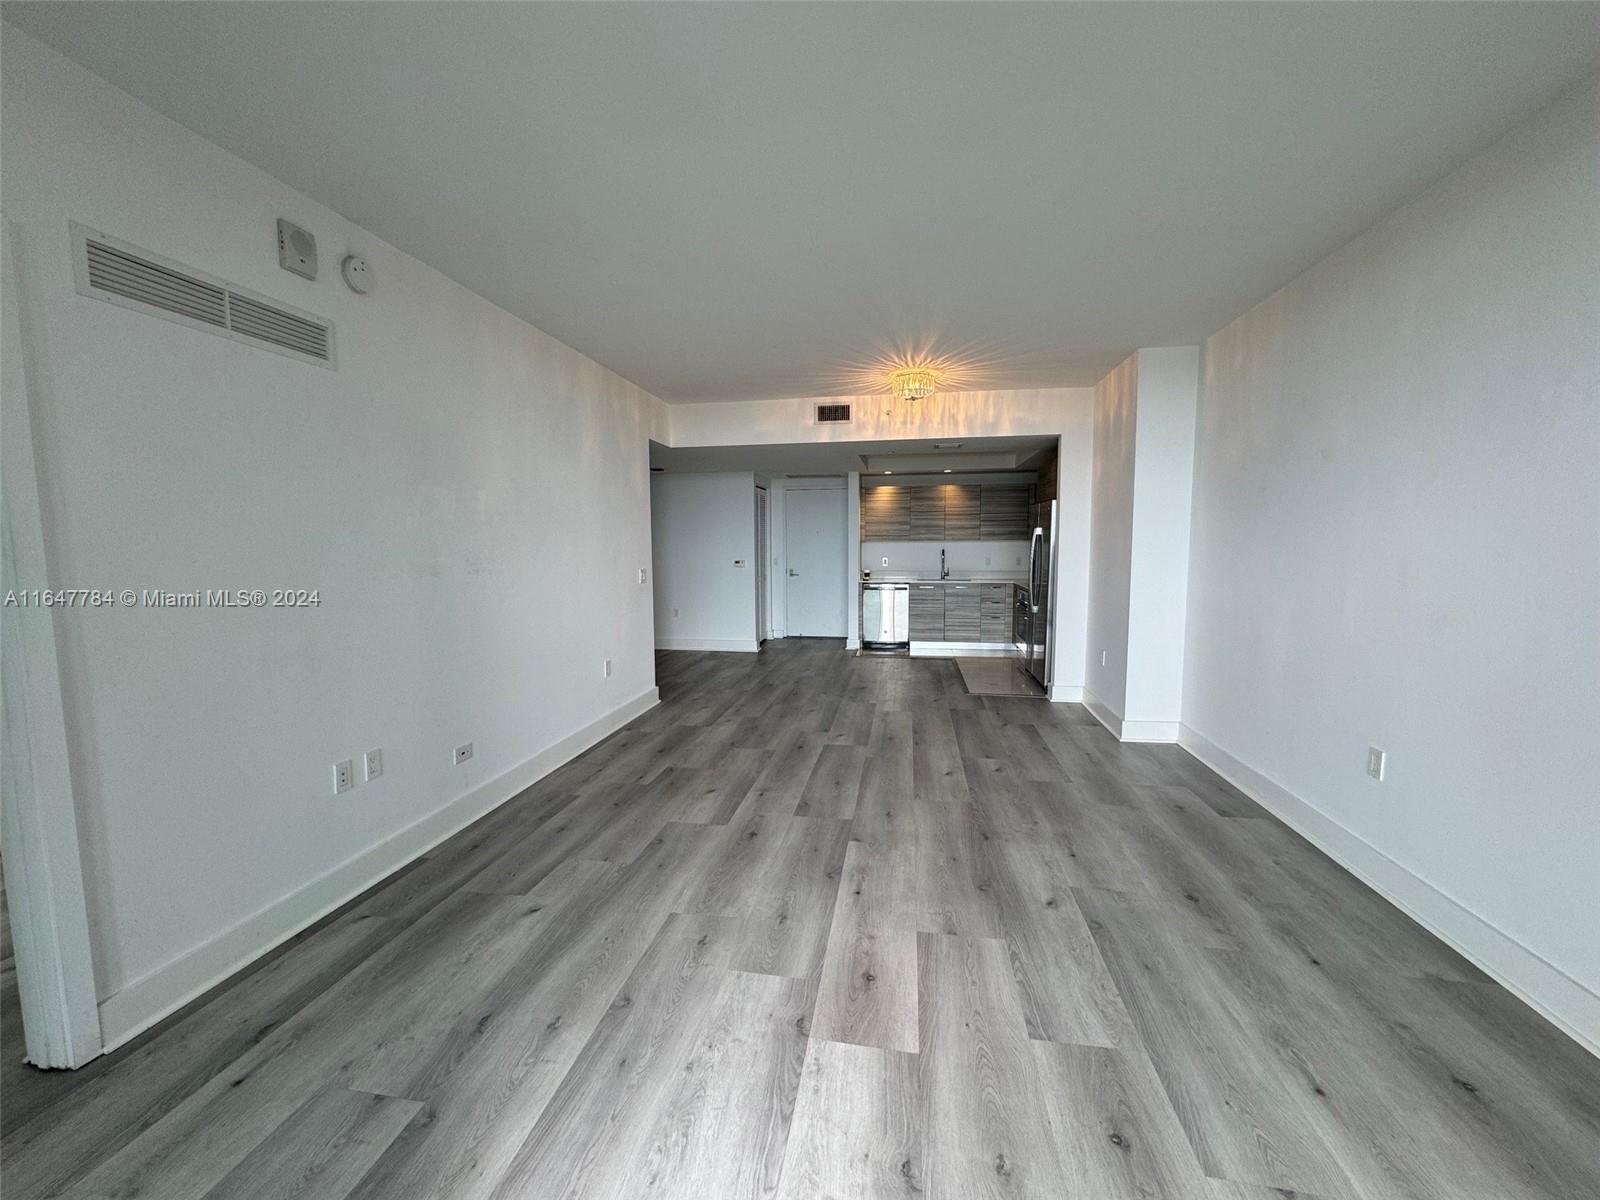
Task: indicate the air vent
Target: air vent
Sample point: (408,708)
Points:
(135,279)
(108,269)
(278,326)
(832,414)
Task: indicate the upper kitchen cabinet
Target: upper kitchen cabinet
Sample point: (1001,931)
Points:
(927,514)
(948,512)
(886,513)
(1003,513)
(961,511)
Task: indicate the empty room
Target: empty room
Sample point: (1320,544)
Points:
(815,601)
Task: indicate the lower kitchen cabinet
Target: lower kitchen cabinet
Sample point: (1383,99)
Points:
(961,612)
(994,613)
(961,609)
(927,612)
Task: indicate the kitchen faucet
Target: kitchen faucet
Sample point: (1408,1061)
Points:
(944,571)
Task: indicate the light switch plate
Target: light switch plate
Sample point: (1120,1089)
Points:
(372,764)
(1377,763)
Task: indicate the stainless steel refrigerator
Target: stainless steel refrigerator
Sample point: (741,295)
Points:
(1031,622)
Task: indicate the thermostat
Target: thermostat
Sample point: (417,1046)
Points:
(356,273)
(297,249)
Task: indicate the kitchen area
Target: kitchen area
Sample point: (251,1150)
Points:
(961,568)
(965,550)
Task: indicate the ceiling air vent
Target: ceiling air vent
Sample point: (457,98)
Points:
(108,269)
(833,414)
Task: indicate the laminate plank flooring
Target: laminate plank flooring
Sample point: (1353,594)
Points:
(821,926)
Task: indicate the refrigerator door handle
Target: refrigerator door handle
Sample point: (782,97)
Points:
(1033,566)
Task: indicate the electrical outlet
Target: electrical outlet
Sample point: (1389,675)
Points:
(373,764)
(608,668)
(463,753)
(886,560)
(986,560)
(642,575)
(1377,763)
(344,776)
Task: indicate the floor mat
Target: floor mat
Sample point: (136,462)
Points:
(997,677)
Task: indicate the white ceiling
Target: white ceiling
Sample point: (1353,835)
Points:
(745,201)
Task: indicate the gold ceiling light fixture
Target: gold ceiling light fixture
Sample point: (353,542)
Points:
(913,383)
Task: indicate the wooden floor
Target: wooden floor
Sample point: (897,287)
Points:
(828,926)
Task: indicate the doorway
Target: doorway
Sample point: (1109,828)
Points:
(814,549)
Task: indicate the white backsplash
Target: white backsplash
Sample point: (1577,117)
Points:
(965,560)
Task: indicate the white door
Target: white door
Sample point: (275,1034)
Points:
(814,547)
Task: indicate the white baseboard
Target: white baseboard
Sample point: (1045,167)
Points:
(961,650)
(1103,713)
(737,645)
(139,1005)
(1066,693)
(1568,1004)
(1149,731)
(1129,731)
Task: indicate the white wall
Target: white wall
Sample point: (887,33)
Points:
(1142,480)
(1067,413)
(1158,582)
(465,493)
(1111,541)
(852,574)
(1396,542)
(1074,493)
(701,526)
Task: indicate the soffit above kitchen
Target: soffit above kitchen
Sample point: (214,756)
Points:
(904,457)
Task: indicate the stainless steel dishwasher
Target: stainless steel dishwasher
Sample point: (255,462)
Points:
(885,616)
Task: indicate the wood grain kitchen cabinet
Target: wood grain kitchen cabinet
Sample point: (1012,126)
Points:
(886,514)
(1003,513)
(962,602)
(994,613)
(962,503)
(927,612)
(927,514)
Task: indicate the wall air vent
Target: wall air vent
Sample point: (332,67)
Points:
(833,414)
(111,270)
